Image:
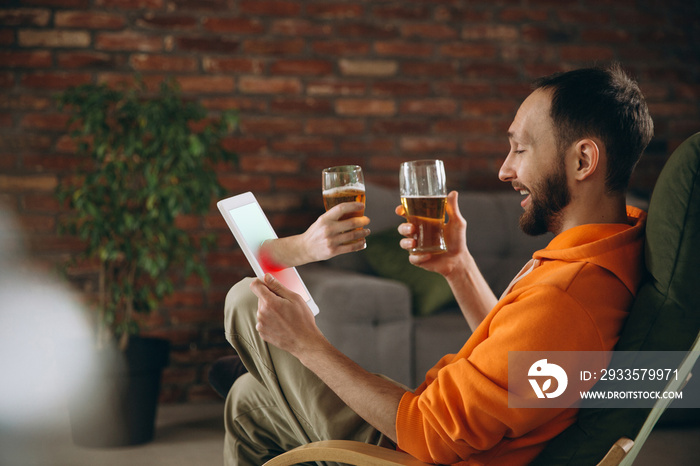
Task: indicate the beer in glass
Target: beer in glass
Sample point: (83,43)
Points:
(423,191)
(343,184)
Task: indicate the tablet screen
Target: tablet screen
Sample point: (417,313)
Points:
(255,229)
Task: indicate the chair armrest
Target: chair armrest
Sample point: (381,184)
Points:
(617,453)
(345,451)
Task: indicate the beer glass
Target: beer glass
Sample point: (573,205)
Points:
(423,196)
(343,184)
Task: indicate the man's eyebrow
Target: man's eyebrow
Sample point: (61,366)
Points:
(522,138)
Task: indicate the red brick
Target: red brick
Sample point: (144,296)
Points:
(398,11)
(25,59)
(274,47)
(365,107)
(483,147)
(50,121)
(37,223)
(53,38)
(335,88)
(129,40)
(205,44)
(23,183)
(24,102)
(368,145)
(7,36)
(7,121)
(537,33)
(429,107)
(588,16)
(308,105)
(429,31)
(198,5)
(395,88)
(239,182)
(467,50)
(254,85)
(368,30)
(404,49)
(55,81)
(167,22)
(493,70)
(269,7)
(234,25)
(395,126)
(428,69)
(586,53)
(90,60)
(300,28)
(342,48)
(233,65)
(207,84)
(335,10)
(303,145)
(475,126)
(607,36)
(65,145)
(54,163)
(245,145)
(334,126)
(238,103)
(25,17)
(520,15)
(132,4)
(497,32)
(489,107)
(267,164)
(426,145)
(144,62)
(374,68)
(40,202)
(462,89)
(88,20)
(461,15)
(302,67)
(271,125)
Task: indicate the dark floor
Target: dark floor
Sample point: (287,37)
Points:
(192,435)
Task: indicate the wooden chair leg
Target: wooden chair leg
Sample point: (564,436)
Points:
(617,453)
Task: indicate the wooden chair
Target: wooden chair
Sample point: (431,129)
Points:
(665,317)
(362,454)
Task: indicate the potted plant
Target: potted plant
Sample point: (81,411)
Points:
(150,158)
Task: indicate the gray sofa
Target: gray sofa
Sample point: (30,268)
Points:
(371,318)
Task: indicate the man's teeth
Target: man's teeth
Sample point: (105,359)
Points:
(524,192)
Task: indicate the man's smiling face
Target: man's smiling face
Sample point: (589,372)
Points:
(535,166)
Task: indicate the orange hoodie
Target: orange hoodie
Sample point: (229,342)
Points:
(575,299)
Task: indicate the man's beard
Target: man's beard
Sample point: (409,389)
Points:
(548,198)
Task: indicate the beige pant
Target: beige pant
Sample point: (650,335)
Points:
(279,404)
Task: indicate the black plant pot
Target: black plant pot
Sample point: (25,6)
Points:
(117,407)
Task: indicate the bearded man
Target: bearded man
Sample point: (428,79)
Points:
(573,145)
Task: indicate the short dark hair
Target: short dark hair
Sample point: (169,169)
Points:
(604,103)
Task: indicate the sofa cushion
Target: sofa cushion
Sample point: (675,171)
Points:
(666,313)
(430,291)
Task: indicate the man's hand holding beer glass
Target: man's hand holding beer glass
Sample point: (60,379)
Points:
(338,231)
(451,259)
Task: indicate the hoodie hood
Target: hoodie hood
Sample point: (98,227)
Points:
(612,246)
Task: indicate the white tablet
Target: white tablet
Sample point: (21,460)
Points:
(250,226)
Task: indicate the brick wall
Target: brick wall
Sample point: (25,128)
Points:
(318,83)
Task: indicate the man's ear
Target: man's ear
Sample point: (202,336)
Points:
(587,156)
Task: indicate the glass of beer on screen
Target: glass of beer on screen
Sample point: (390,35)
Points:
(423,196)
(343,184)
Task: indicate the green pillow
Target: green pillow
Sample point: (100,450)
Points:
(666,313)
(387,259)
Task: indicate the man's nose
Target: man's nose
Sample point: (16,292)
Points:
(507,171)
